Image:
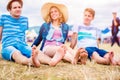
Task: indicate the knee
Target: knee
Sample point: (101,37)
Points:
(63,46)
(61,50)
(95,55)
(16,53)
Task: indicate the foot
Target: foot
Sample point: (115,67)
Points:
(57,57)
(112,60)
(76,57)
(83,56)
(35,60)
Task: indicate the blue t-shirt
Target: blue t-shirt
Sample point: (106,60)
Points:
(87,35)
(13,30)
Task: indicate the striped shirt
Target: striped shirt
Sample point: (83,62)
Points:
(87,35)
(13,30)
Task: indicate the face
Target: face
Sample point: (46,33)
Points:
(15,10)
(88,17)
(54,13)
(114,15)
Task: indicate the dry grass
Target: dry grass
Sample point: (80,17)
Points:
(63,71)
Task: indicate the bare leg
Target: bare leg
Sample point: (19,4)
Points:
(43,58)
(36,62)
(68,57)
(20,59)
(112,59)
(69,54)
(73,56)
(101,60)
(57,57)
(83,55)
(76,57)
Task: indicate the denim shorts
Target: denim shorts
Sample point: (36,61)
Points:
(23,49)
(90,51)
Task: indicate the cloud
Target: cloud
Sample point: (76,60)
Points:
(103,9)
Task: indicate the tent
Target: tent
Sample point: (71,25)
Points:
(31,35)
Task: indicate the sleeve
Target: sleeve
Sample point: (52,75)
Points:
(1,21)
(27,23)
(1,25)
(98,33)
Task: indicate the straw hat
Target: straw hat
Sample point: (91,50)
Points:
(45,10)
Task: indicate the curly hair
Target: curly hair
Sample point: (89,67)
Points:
(49,19)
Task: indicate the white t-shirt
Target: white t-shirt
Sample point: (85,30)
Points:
(87,35)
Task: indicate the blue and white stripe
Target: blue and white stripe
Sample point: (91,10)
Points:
(13,30)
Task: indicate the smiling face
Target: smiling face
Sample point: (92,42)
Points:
(15,10)
(88,17)
(54,13)
(89,14)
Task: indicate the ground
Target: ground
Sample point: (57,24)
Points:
(63,71)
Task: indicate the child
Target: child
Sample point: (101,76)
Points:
(86,36)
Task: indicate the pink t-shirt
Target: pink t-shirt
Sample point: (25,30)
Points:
(56,35)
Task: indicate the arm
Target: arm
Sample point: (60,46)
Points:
(73,40)
(1,27)
(115,22)
(38,39)
(98,37)
(0,33)
(98,41)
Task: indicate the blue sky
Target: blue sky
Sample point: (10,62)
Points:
(103,9)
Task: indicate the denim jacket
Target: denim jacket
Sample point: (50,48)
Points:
(44,29)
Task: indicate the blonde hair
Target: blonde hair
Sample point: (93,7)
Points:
(61,19)
(9,5)
(91,11)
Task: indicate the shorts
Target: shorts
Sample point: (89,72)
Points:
(90,51)
(23,49)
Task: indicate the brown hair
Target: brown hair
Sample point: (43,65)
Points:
(61,19)
(11,1)
(91,11)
